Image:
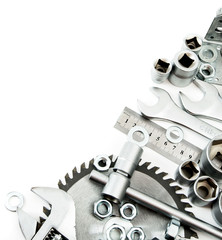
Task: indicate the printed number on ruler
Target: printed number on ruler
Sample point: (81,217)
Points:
(158,141)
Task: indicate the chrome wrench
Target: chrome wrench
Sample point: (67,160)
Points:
(209,106)
(60,221)
(166,109)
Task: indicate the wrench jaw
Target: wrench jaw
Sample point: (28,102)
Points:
(60,223)
(154,111)
(208,106)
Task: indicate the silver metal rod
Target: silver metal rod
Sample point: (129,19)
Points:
(162,208)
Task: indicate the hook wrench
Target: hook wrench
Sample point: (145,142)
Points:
(166,109)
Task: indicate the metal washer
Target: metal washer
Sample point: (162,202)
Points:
(13,208)
(140,130)
(172,129)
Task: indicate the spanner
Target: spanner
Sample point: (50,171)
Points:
(166,109)
(60,223)
(209,106)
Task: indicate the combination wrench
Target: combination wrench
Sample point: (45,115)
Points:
(209,106)
(166,109)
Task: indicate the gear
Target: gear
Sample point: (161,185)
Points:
(85,193)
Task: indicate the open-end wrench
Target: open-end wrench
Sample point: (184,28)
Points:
(209,106)
(60,223)
(166,109)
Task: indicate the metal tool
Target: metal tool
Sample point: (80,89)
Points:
(60,223)
(185,66)
(187,173)
(161,207)
(208,106)
(160,70)
(211,49)
(166,109)
(204,191)
(126,163)
(217,210)
(211,159)
(145,178)
(158,140)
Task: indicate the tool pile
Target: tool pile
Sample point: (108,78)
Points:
(124,196)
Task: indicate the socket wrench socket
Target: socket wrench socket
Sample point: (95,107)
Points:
(217,210)
(204,191)
(161,70)
(193,43)
(211,159)
(184,69)
(187,173)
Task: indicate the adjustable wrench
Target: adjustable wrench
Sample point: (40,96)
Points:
(60,223)
(166,109)
(209,106)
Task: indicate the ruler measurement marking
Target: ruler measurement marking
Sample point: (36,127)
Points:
(158,141)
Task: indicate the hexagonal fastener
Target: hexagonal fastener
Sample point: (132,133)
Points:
(128,211)
(103,209)
(206,71)
(136,233)
(172,230)
(117,230)
(102,163)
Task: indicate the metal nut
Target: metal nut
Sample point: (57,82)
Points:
(204,191)
(103,209)
(206,71)
(136,233)
(132,212)
(102,163)
(172,229)
(116,232)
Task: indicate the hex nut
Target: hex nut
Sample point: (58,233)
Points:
(136,233)
(107,211)
(102,163)
(206,71)
(172,229)
(132,211)
(119,229)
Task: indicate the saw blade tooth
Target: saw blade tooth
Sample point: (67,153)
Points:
(46,211)
(83,166)
(162,174)
(60,184)
(67,178)
(145,165)
(177,188)
(183,197)
(74,171)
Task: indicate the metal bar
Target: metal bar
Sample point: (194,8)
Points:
(162,208)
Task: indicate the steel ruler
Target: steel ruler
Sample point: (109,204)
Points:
(158,141)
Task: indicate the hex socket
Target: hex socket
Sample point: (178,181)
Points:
(193,43)
(187,173)
(211,159)
(160,70)
(204,191)
(184,69)
(217,210)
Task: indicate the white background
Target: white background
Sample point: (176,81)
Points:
(67,70)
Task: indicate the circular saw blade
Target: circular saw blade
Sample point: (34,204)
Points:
(86,192)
